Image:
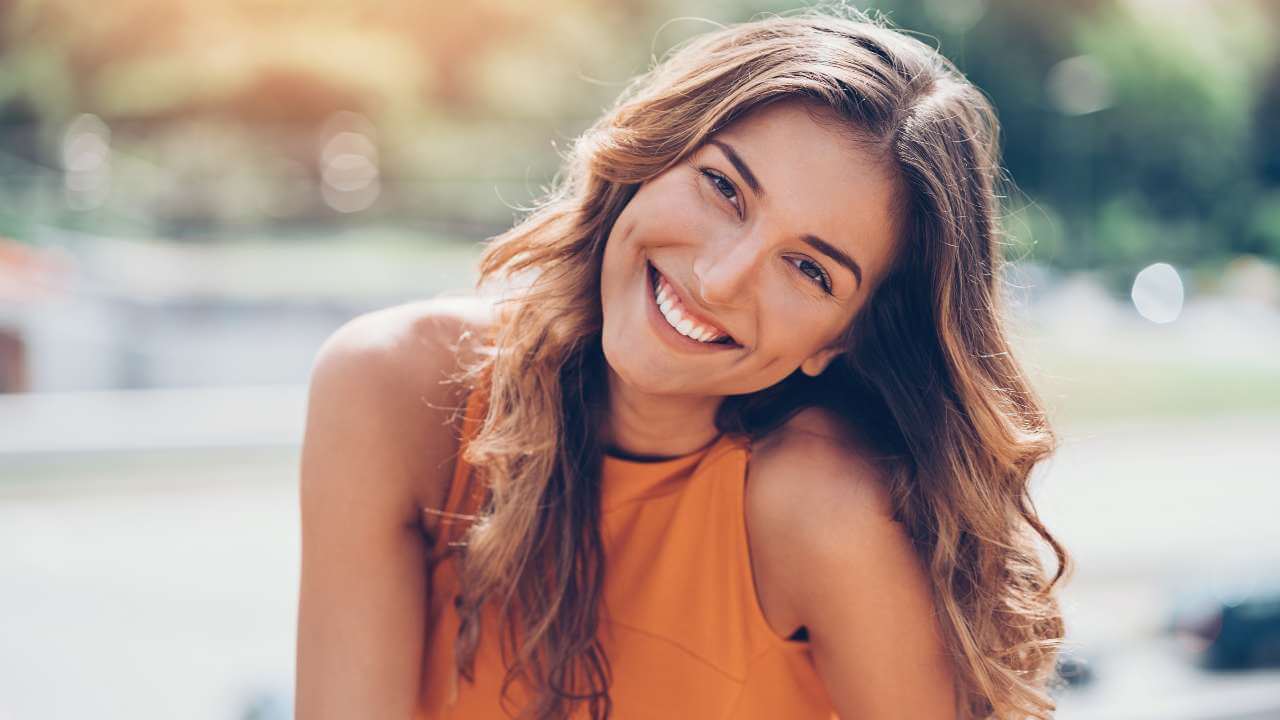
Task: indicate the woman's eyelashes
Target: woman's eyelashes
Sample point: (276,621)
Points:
(817,274)
(723,185)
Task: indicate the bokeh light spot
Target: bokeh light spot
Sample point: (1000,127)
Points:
(86,158)
(1079,85)
(349,163)
(1157,293)
(956,16)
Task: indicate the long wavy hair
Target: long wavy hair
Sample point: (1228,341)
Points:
(927,368)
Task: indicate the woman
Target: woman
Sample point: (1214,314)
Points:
(745,438)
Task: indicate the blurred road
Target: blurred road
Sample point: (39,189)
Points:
(153,586)
(1150,510)
(1154,680)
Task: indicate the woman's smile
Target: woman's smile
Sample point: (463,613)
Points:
(676,323)
(728,268)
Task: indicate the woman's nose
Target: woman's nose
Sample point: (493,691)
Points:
(725,270)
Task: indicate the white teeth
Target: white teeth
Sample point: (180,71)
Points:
(667,303)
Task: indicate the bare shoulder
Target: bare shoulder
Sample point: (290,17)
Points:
(409,337)
(817,463)
(829,556)
(811,475)
(392,369)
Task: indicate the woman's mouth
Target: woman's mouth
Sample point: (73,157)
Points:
(676,315)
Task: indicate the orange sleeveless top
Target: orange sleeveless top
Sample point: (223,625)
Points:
(681,626)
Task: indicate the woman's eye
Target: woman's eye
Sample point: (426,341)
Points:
(722,185)
(814,271)
(810,268)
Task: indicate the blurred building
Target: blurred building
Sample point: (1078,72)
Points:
(140,314)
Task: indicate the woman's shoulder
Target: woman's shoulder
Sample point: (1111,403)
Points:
(395,369)
(811,480)
(419,343)
(398,334)
(817,454)
(834,560)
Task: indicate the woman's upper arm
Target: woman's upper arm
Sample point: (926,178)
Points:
(378,441)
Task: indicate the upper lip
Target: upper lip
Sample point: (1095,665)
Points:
(691,309)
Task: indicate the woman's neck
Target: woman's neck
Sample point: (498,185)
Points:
(643,425)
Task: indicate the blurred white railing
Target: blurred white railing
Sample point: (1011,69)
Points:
(151,419)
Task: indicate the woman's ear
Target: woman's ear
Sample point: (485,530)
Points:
(817,362)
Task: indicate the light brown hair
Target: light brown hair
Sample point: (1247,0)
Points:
(927,368)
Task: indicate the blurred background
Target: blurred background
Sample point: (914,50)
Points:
(193,195)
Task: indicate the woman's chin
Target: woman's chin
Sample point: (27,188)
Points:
(631,366)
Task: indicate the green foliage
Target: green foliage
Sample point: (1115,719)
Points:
(1136,130)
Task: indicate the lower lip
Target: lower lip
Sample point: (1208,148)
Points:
(670,335)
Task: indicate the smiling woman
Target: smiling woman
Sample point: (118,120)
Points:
(746,440)
(750,263)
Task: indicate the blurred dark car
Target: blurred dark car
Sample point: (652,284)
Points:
(1232,631)
(1073,668)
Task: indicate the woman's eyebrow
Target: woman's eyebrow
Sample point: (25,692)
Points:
(834,253)
(813,241)
(741,166)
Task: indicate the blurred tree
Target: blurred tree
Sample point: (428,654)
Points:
(1138,130)
(1266,127)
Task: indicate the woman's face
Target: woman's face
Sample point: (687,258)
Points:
(774,232)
